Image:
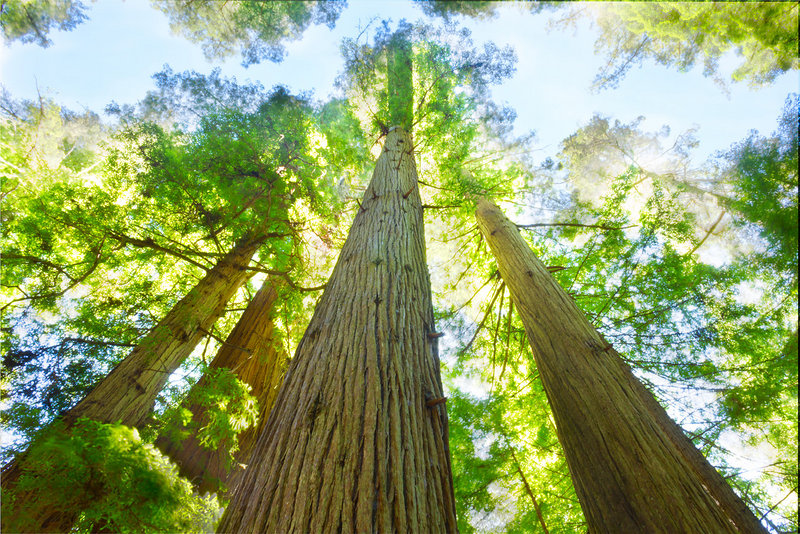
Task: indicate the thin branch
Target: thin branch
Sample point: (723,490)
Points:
(75,282)
(530,492)
(97,342)
(450,206)
(483,321)
(508,337)
(149,243)
(708,233)
(222,341)
(576,225)
(496,332)
(285,276)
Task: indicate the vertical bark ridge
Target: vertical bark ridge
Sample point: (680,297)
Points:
(255,355)
(127,393)
(351,445)
(633,468)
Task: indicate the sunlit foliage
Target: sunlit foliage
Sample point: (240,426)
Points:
(120,483)
(680,34)
(228,409)
(29,21)
(257,30)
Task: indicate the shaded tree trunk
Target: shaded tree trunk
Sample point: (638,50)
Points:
(128,392)
(255,355)
(633,468)
(357,440)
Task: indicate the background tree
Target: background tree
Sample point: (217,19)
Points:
(679,35)
(173,206)
(257,29)
(628,255)
(29,21)
(216,427)
(171,186)
(639,431)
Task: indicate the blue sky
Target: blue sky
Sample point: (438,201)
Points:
(112,56)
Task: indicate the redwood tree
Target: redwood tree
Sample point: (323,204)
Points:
(357,440)
(253,354)
(128,392)
(633,468)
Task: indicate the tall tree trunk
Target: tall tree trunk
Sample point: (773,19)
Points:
(357,440)
(633,468)
(255,355)
(128,392)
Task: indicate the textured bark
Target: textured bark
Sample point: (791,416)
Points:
(128,392)
(255,355)
(633,468)
(356,441)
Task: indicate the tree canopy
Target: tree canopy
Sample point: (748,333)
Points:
(29,21)
(680,34)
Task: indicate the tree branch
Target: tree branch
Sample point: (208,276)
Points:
(598,226)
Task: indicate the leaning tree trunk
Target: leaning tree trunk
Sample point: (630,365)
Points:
(126,395)
(633,468)
(357,440)
(255,355)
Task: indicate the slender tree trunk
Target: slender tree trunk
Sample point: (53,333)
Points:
(633,468)
(357,440)
(128,392)
(529,491)
(256,357)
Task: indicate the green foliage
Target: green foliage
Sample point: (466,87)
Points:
(763,34)
(47,153)
(257,29)
(346,146)
(449,9)
(762,176)
(498,440)
(242,165)
(116,480)
(29,21)
(400,84)
(74,301)
(446,64)
(480,9)
(471,474)
(228,410)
